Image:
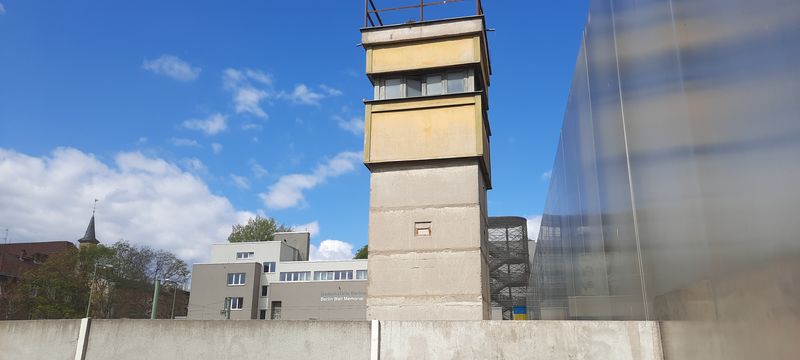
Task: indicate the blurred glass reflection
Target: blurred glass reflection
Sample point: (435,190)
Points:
(675,192)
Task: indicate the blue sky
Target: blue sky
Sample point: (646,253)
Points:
(184,117)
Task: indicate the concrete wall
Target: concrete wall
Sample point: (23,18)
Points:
(321,300)
(441,276)
(210,288)
(519,340)
(244,340)
(240,340)
(39,339)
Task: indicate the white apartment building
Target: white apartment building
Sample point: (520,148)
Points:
(275,280)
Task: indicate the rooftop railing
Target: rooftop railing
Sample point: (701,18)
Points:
(372,15)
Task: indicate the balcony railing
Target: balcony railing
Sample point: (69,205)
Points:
(372,15)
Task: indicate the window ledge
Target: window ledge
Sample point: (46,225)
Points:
(426,97)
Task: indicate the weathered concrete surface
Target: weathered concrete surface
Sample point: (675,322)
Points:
(240,340)
(635,340)
(39,339)
(308,340)
(438,276)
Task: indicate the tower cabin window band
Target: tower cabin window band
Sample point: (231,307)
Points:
(438,83)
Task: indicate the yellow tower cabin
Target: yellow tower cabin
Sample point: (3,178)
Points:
(427,148)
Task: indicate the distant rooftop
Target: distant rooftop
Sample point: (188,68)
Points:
(397,12)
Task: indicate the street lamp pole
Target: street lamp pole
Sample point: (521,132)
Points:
(91,285)
(174,294)
(154,309)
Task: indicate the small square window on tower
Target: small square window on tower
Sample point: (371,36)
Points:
(422,228)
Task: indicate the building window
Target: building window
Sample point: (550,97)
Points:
(236,278)
(275,310)
(361,274)
(269,267)
(451,82)
(422,228)
(264,290)
(413,86)
(262,314)
(234,303)
(456,82)
(333,275)
(433,84)
(296,276)
(244,255)
(393,88)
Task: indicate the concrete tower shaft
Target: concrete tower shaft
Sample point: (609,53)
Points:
(427,147)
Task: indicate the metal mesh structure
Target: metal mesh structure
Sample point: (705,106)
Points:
(508,263)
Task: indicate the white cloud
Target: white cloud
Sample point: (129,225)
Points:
(173,67)
(330,91)
(2,9)
(240,181)
(547,175)
(145,200)
(288,190)
(303,95)
(331,250)
(251,126)
(212,125)
(249,88)
(312,227)
(183,142)
(216,148)
(142,140)
(534,223)
(195,165)
(355,125)
(258,170)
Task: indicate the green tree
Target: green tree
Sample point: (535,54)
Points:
(362,253)
(258,228)
(59,288)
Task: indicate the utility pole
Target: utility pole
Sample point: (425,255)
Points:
(156,288)
(174,294)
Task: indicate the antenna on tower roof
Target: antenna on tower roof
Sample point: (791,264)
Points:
(94,207)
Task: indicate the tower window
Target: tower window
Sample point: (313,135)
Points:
(393,88)
(413,86)
(439,83)
(455,82)
(422,228)
(433,84)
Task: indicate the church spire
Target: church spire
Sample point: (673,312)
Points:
(89,237)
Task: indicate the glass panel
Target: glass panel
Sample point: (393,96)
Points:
(392,88)
(433,85)
(413,86)
(456,81)
(673,193)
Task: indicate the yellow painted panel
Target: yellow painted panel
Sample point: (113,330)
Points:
(420,55)
(430,133)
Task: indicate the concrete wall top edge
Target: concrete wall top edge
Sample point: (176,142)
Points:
(422,30)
